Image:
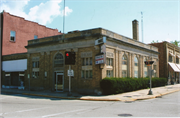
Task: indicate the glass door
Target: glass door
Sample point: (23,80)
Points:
(59,82)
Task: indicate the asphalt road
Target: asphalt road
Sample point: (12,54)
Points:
(17,105)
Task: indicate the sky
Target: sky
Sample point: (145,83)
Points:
(161,18)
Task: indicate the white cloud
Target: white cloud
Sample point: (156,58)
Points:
(67,11)
(43,13)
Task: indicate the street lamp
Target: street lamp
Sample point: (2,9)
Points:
(149,63)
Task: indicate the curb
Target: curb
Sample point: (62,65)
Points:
(74,98)
(100,99)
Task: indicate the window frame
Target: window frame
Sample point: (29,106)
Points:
(86,74)
(170,58)
(35,36)
(177,60)
(35,64)
(109,73)
(109,61)
(12,35)
(58,61)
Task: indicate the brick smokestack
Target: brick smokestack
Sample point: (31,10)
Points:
(135,27)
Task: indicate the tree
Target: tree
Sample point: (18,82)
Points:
(155,41)
(177,43)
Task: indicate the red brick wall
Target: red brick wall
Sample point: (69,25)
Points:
(25,30)
(162,59)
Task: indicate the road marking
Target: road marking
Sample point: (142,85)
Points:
(23,110)
(32,109)
(61,113)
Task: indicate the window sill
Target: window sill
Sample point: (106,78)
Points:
(12,41)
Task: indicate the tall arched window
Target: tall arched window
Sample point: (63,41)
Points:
(136,67)
(124,66)
(145,68)
(58,60)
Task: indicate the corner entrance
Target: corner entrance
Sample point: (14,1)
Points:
(59,82)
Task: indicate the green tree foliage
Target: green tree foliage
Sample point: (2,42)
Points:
(155,41)
(177,43)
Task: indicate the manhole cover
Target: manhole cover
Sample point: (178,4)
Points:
(124,115)
(128,101)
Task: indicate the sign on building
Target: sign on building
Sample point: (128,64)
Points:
(103,48)
(100,59)
(100,41)
(70,73)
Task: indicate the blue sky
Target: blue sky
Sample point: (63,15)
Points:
(160,17)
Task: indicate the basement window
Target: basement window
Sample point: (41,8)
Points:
(12,36)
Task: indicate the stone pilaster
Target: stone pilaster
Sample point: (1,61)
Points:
(129,65)
(120,64)
(143,64)
(117,64)
(140,66)
(132,65)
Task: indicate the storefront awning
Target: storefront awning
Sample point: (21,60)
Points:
(171,54)
(178,65)
(14,65)
(178,56)
(174,67)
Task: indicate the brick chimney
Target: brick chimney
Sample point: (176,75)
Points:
(135,27)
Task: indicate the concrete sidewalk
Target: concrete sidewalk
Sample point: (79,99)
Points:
(129,96)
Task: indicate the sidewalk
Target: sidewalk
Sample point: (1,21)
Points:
(129,96)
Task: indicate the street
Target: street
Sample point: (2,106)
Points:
(18,105)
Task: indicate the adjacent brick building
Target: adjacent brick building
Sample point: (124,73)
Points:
(15,32)
(99,52)
(169,61)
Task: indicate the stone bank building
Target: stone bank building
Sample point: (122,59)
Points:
(99,52)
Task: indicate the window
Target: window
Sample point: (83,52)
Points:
(124,73)
(145,69)
(136,74)
(90,61)
(124,66)
(35,74)
(35,64)
(82,74)
(86,74)
(135,61)
(177,60)
(155,68)
(58,60)
(86,61)
(135,67)
(35,36)
(109,61)
(170,58)
(109,73)
(12,36)
(124,60)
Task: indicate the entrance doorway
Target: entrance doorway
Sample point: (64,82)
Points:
(59,81)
